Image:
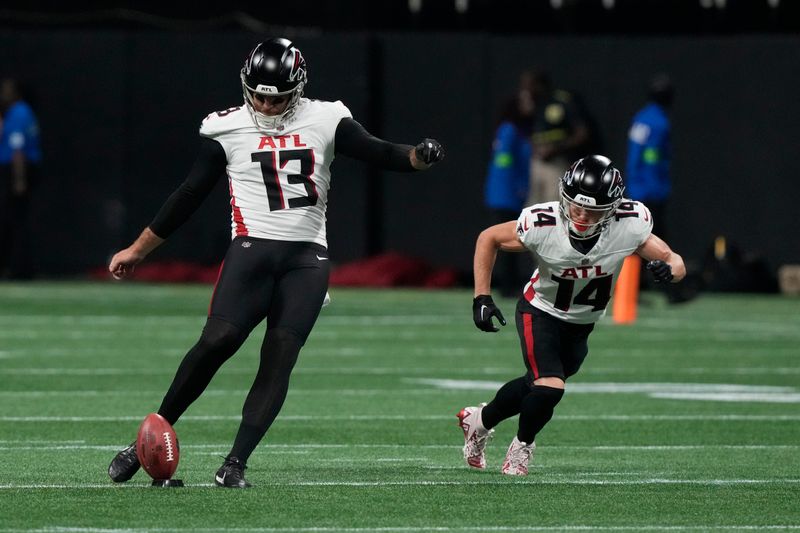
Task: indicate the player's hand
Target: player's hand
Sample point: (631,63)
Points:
(483,309)
(661,271)
(123,263)
(429,151)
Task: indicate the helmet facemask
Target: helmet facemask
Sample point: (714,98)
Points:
(600,215)
(271,122)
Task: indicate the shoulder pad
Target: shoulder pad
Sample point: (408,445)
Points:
(226,120)
(636,215)
(332,110)
(544,215)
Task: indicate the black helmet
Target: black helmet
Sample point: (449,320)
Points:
(591,184)
(274,67)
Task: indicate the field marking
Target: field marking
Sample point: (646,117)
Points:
(214,392)
(781,324)
(310,418)
(729,397)
(136,320)
(415,529)
(701,370)
(531,480)
(613,387)
(720,392)
(298,448)
(368,370)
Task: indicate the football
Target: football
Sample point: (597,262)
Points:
(157,447)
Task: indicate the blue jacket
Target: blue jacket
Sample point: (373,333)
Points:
(20,131)
(647,176)
(507,179)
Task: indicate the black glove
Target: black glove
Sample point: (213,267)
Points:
(483,309)
(660,270)
(429,151)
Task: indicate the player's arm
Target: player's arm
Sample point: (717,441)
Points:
(663,263)
(500,237)
(208,167)
(353,140)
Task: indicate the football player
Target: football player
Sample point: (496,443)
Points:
(276,151)
(579,244)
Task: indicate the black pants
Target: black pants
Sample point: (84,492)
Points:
(284,282)
(550,347)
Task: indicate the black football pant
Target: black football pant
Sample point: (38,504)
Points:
(284,282)
(550,348)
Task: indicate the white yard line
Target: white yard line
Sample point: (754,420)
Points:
(8,445)
(305,418)
(418,529)
(531,480)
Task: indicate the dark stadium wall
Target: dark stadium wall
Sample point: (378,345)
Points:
(119,112)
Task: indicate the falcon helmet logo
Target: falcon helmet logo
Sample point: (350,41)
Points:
(617,188)
(298,72)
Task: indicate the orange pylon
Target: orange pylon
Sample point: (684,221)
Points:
(626,293)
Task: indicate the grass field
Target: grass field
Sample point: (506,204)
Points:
(688,420)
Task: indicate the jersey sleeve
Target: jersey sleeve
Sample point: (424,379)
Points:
(217,123)
(534,221)
(524,225)
(340,111)
(637,216)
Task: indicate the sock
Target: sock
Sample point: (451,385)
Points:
(506,402)
(537,410)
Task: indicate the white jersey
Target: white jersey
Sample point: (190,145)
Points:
(567,284)
(279,182)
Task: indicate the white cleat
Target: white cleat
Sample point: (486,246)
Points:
(475,436)
(517,457)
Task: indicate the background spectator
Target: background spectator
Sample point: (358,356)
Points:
(507,179)
(20,159)
(560,135)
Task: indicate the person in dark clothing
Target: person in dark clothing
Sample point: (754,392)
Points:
(507,181)
(20,168)
(649,165)
(648,168)
(560,135)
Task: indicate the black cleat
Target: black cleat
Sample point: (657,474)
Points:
(231,474)
(124,465)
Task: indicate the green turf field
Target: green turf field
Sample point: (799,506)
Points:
(688,420)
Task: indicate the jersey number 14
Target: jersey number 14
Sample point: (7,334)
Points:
(596,293)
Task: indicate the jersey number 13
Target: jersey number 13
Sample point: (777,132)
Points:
(271,165)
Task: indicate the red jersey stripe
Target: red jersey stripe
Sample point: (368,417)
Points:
(527,320)
(241,229)
(530,293)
